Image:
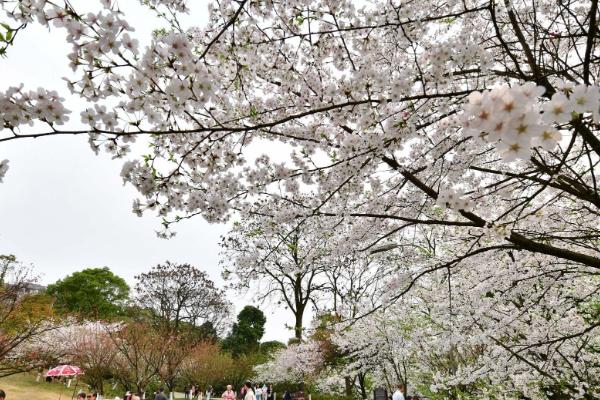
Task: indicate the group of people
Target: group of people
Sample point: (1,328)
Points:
(249,392)
(255,392)
(193,392)
(259,391)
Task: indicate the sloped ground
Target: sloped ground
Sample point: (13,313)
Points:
(24,387)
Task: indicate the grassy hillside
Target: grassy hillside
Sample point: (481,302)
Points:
(24,387)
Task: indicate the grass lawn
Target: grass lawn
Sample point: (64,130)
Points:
(24,387)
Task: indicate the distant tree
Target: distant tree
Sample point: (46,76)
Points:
(24,315)
(246,332)
(207,364)
(271,347)
(172,366)
(87,345)
(207,331)
(94,293)
(141,352)
(285,261)
(181,297)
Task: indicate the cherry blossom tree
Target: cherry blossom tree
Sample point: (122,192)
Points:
(503,340)
(277,261)
(462,136)
(94,351)
(303,264)
(85,344)
(140,355)
(299,362)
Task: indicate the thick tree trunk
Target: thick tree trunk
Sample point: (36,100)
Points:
(361,381)
(348,385)
(298,323)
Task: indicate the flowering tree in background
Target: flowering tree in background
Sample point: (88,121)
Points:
(299,363)
(140,355)
(303,265)
(508,342)
(24,316)
(463,136)
(94,351)
(278,261)
(85,344)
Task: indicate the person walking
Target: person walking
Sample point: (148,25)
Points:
(258,392)
(399,393)
(228,394)
(2,394)
(160,395)
(249,392)
(265,392)
(287,395)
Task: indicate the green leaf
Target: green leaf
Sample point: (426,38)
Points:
(253,112)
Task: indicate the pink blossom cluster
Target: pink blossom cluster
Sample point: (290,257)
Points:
(515,120)
(21,107)
(454,199)
(296,363)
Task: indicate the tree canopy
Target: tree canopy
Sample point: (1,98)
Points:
(182,297)
(24,314)
(91,293)
(246,332)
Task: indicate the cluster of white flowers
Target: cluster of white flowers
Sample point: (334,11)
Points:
(63,342)
(23,107)
(92,116)
(454,200)
(296,363)
(178,5)
(510,116)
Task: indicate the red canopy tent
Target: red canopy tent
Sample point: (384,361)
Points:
(64,370)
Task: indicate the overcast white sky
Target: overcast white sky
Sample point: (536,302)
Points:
(63,209)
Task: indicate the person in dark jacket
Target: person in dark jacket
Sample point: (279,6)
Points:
(160,395)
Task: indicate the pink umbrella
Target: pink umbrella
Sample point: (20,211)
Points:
(64,370)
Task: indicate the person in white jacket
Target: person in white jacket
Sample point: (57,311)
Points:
(399,393)
(249,392)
